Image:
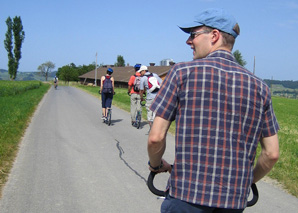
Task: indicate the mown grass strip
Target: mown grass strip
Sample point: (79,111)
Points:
(120,99)
(15,113)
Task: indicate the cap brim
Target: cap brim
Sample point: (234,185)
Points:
(188,27)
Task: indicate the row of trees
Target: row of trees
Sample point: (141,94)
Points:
(14,33)
(71,72)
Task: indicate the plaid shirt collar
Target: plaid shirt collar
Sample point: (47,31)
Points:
(222,54)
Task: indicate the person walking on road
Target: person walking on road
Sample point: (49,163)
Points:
(150,83)
(222,111)
(107,92)
(55,82)
(133,91)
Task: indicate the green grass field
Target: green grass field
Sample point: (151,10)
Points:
(18,101)
(285,170)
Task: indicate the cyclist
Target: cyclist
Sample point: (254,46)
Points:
(133,91)
(56,82)
(107,92)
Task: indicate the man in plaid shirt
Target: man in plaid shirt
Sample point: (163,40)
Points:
(221,111)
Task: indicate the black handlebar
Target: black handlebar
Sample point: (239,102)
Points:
(157,192)
(255,197)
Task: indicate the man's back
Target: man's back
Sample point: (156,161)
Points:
(219,122)
(222,111)
(132,82)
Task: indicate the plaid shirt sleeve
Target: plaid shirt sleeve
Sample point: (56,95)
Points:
(270,124)
(165,102)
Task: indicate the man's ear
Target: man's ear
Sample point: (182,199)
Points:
(215,35)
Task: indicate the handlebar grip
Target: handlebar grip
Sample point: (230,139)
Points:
(157,192)
(152,187)
(255,197)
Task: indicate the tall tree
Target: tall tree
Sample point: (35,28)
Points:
(14,29)
(120,61)
(239,58)
(46,68)
(9,47)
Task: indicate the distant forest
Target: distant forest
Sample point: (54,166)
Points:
(286,84)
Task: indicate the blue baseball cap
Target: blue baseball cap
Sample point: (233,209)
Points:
(110,70)
(214,18)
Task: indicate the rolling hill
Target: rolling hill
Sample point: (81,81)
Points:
(26,76)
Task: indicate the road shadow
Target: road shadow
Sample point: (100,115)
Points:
(113,122)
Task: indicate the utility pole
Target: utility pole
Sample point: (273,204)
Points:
(271,87)
(95,80)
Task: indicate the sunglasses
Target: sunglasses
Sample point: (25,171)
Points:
(193,35)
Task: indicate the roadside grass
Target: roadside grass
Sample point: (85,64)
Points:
(285,170)
(16,110)
(120,99)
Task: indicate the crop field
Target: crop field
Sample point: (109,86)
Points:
(8,88)
(18,100)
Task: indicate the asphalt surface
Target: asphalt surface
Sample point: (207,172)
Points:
(70,161)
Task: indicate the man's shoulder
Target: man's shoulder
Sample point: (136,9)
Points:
(131,80)
(132,77)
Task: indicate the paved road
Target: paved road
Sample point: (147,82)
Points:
(69,161)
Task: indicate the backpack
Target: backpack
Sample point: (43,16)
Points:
(55,80)
(136,83)
(107,86)
(153,84)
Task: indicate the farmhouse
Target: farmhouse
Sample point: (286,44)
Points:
(120,74)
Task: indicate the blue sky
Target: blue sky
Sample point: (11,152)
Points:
(72,31)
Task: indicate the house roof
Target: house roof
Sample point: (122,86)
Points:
(122,74)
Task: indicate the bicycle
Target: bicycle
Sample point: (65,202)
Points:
(139,116)
(137,122)
(108,119)
(160,193)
